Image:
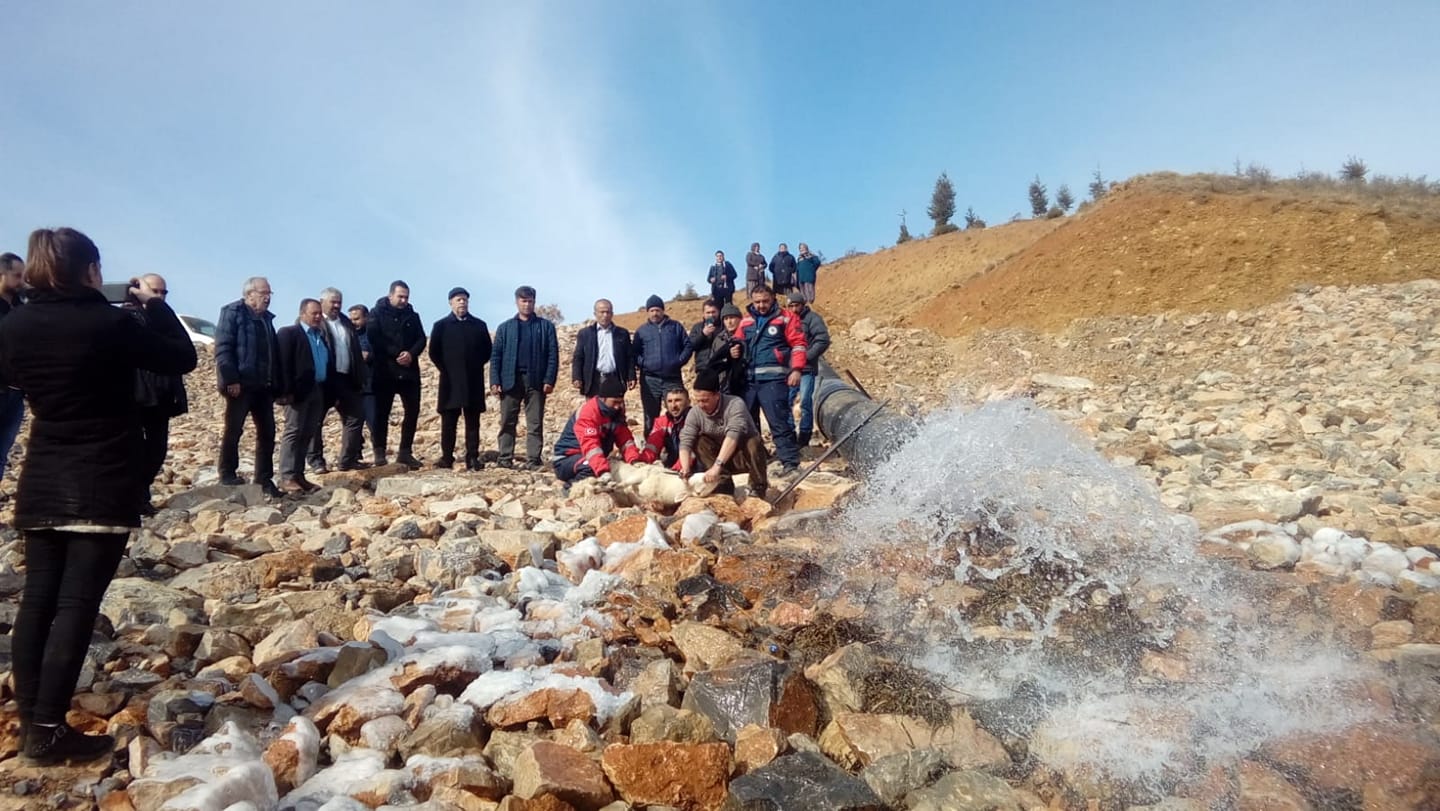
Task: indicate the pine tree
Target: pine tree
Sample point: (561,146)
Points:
(942,203)
(904,235)
(972,221)
(1097,186)
(1063,198)
(1039,201)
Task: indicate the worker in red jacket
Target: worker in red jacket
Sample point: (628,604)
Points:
(663,443)
(592,433)
(774,342)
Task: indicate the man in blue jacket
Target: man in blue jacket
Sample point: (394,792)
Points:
(662,348)
(523,365)
(246,365)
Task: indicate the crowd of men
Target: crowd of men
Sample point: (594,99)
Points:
(356,361)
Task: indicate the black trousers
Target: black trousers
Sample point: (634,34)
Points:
(66,574)
(155,428)
(449,421)
(343,395)
(385,390)
(258,404)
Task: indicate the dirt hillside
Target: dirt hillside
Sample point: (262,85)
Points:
(1170,243)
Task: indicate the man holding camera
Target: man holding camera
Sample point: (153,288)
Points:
(161,397)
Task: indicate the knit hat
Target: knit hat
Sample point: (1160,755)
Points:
(612,387)
(729,310)
(458,291)
(654,301)
(707,380)
(797,298)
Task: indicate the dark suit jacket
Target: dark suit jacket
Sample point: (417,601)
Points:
(297,364)
(359,369)
(587,351)
(460,350)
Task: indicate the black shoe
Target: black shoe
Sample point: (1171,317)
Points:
(474,464)
(147,509)
(319,470)
(268,488)
(232,480)
(349,466)
(534,464)
(381,460)
(804,440)
(508,464)
(445,462)
(408,460)
(47,745)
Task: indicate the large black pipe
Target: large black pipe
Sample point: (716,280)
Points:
(840,407)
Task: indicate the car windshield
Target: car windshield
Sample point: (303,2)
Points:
(199,325)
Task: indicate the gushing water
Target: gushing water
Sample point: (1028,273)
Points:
(1095,627)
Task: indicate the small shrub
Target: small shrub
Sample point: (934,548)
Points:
(945,228)
(1353,170)
(1055,212)
(688,294)
(972,221)
(550,312)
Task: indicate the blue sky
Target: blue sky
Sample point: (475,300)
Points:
(607,149)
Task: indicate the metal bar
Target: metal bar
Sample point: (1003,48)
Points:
(834,446)
(855,381)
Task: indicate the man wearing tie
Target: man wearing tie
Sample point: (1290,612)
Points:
(307,364)
(602,351)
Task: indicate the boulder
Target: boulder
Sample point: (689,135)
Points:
(549,768)
(131,601)
(764,692)
(691,777)
(856,740)
(804,781)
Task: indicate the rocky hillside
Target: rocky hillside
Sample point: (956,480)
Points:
(444,639)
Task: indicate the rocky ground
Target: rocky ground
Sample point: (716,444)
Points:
(444,639)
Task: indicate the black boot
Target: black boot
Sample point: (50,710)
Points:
(445,462)
(46,745)
(803,439)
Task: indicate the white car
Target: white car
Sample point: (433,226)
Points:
(202,332)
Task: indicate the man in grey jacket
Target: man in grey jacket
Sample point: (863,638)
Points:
(721,438)
(817,341)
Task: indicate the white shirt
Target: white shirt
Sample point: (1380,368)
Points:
(341,338)
(605,358)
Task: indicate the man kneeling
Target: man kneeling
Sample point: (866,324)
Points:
(720,438)
(592,432)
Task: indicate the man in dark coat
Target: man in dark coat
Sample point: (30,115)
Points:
(782,271)
(602,351)
(307,368)
(396,340)
(246,365)
(662,348)
(704,331)
(523,367)
(727,354)
(160,398)
(460,347)
(817,343)
(754,270)
(722,279)
(12,400)
(345,391)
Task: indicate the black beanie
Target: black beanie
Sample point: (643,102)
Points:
(707,380)
(654,301)
(612,387)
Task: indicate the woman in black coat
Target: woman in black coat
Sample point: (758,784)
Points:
(75,357)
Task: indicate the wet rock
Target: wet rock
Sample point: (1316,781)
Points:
(549,768)
(764,692)
(804,781)
(964,791)
(1417,672)
(840,678)
(855,740)
(1262,788)
(684,776)
(894,776)
(220,771)
(1387,762)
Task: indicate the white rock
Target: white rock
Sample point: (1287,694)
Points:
(697,526)
(1067,383)
(1386,560)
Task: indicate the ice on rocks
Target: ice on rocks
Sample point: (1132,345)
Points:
(349,771)
(225,768)
(500,685)
(582,557)
(1386,560)
(400,629)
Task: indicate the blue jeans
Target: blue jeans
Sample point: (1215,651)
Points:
(12,413)
(806,392)
(773,397)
